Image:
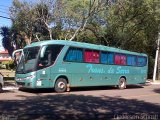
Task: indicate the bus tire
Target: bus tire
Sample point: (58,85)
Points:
(1,88)
(60,85)
(122,83)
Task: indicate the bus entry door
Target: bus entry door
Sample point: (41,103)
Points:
(43,78)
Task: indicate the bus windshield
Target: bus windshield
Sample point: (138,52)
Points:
(28,60)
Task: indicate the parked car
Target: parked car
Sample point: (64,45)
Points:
(1,82)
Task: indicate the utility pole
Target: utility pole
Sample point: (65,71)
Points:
(156,59)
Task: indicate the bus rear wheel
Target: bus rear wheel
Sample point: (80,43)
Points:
(60,85)
(122,83)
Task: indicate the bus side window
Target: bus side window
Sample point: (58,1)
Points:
(95,57)
(123,59)
(131,60)
(88,56)
(91,56)
(104,57)
(46,59)
(142,61)
(117,59)
(50,54)
(74,55)
(110,58)
(120,59)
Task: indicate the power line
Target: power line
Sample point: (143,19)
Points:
(5,17)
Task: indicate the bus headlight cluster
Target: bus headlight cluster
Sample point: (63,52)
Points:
(25,78)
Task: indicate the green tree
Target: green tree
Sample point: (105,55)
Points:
(6,40)
(77,15)
(23,18)
(132,25)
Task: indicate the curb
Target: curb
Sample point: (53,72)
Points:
(152,83)
(10,88)
(155,83)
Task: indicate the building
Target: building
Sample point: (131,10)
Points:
(4,56)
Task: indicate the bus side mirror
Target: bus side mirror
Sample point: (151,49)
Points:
(17,54)
(43,51)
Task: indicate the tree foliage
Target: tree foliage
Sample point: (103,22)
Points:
(7,40)
(130,22)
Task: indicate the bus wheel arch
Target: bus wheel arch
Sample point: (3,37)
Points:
(122,83)
(61,84)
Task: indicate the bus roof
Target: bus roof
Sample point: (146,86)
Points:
(83,45)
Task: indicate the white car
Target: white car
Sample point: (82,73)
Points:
(1,82)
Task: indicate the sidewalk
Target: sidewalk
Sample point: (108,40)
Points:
(7,73)
(10,85)
(157,82)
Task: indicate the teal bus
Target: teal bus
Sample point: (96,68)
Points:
(62,64)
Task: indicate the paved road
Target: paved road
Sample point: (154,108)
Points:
(135,102)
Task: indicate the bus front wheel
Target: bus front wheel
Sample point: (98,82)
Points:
(60,85)
(122,83)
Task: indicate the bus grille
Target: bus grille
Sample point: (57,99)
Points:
(20,83)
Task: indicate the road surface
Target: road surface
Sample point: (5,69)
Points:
(106,103)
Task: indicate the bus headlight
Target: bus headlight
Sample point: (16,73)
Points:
(25,78)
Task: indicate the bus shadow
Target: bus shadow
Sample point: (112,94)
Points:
(157,90)
(77,107)
(134,86)
(94,88)
(104,88)
(77,89)
(40,90)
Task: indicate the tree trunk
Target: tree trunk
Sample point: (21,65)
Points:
(27,40)
(81,28)
(50,33)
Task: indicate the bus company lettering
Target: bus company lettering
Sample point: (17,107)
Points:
(121,71)
(91,69)
(111,70)
(118,70)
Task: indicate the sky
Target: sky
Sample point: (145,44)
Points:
(4,11)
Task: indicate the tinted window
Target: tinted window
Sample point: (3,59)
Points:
(50,54)
(88,56)
(104,57)
(107,58)
(131,60)
(28,60)
(74,54)
(110,58)
(91,56)
(120,59)
(142,61)
(95,57)
(117,59)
